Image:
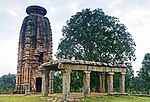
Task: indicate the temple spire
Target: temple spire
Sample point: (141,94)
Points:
(35,48)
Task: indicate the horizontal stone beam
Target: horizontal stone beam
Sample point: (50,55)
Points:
(91,68)
(81,67)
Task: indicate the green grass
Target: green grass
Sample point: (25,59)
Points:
(35,98)
(23,98)
(117,99)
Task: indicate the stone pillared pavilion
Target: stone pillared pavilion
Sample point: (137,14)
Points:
(105,71)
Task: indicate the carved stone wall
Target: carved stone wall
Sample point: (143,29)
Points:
(35,48)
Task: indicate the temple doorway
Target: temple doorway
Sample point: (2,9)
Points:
(38,84)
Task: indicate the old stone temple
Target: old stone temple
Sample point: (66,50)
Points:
(35,48)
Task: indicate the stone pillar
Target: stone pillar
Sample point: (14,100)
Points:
(45,83)
(102,82)
(110,82)
(33,84)
(122,83)
(66,84)
(51,82)
(18,83)
(86,83)
(22,91)
(27,88)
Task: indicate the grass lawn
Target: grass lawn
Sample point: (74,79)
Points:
(117,99)
(22,98)
(35,98)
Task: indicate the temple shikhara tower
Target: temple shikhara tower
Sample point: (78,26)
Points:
(35,48)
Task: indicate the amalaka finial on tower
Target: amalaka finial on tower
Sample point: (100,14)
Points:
(36,9)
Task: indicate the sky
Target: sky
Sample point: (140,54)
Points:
(135,14)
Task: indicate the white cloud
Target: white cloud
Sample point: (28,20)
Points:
(57,34)
(138,15)
(13,11)
(112,4)
(74,7)
(8,56)
(52,11)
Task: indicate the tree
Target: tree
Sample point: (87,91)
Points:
(93,35)
(130,78)
(7,83)
(144,73)
(58,82)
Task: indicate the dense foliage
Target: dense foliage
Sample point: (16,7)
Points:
(130,78)
(92,35)
(7,83)
(144,74)
(58,82)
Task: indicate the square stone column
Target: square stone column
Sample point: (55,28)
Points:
(22,91)
(45,83)
(51,82)
(122,83)
(110,82)
(86,83)
(27,88)
(66,84)
(102,82)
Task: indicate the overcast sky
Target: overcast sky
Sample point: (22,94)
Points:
(135,14)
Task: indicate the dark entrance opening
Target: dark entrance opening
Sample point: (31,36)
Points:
(38,84)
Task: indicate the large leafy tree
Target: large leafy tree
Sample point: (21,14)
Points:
(93,35)
(144,73)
